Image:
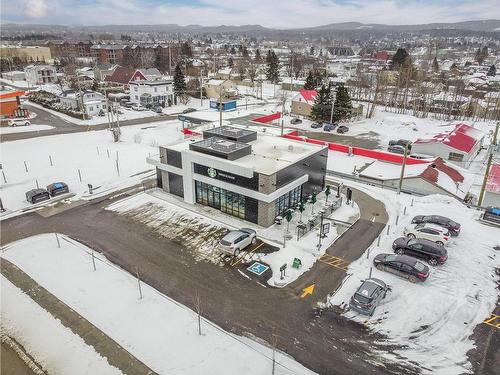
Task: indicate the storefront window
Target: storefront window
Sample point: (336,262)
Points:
(288,200)
(221,199)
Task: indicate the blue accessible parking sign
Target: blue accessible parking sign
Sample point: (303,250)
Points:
(258,268)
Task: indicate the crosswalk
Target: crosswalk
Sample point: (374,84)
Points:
(493,320)
(334,261)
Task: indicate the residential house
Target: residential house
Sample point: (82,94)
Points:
(213,88)
(93,102)
(303,102)
(152,93)
(40,74)
(459,146)
(101,71)
(123,76)
(151,74)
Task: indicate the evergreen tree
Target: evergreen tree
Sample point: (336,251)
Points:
(318,77)
(311,50)
(321,108)
(435,65)
(273,68)
(186,50)
(179,82)
(400,58)
(230,62)
(342,109)
(244,52)
(268,56)
(233,50)
(310,82)
(257,56)
(492,71)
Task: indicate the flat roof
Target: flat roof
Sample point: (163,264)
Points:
(270,154)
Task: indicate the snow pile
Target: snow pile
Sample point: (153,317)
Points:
(45,338)
(157,330)
(94,154)
(431,322)
(23,129)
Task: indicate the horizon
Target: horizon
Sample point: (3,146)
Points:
(280,14)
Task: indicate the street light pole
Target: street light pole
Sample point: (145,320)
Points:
(333,104)
(400,186)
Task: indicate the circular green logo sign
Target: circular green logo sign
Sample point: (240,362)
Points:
(212,172)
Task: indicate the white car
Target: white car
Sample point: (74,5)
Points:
(429,231)
(236,240)
(137,108)
(19,122)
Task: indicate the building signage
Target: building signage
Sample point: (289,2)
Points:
(212,172)
(249,183)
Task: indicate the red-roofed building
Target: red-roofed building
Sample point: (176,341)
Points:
(492,193)
(303,102)
(459,146)
(123,76)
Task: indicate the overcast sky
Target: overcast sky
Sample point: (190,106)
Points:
(270,13)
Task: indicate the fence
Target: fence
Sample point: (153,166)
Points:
(314,221)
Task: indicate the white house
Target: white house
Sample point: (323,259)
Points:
(40,74)
(151,93)
(459,146)
(93,102)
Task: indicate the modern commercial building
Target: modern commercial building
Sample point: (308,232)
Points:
(10,102)
(26,53)
(234,170)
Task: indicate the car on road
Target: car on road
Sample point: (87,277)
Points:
(37,195)
(421,156)
(236,240)
(158,109)
(329,127)
(442,221)
(396,149)
(368,296)
(316,125)
(295,121)
(401,142)
(189,110)
(421,248)
(342,129)
(137,108)
(402,265)
(429,231)
(57,188)
(18,122)
(126,104)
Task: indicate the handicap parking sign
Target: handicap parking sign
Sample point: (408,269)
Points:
(258,268)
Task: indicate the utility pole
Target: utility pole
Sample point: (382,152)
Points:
(107,107)
(403,169)
(81,96)
(333,104)
(488,165)
(201,87)
(220,103)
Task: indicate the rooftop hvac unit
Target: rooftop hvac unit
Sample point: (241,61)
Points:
(224,146)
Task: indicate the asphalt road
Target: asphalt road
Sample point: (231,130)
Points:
(64,127)
(323,341)
(11,363)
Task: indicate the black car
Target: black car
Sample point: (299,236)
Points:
(421,248)
(401,142)
(189,110)
(402,265)
(57,188)
(396,149)
(295,121)
(342,129)
(37,195)
(452,226)
(316,125)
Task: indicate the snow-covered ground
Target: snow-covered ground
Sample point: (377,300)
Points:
(45,338)
(23,129)
(86,152)
(431,322)
(199,228)
(155,329)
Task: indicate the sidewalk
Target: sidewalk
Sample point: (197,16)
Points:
(115,354)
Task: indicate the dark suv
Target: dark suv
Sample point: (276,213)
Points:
(402,265)
(442,221)
(57,188)
(421,248)
(37,195)
(368,296)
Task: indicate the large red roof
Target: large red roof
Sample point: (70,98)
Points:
(432,171)
(462,138)
(493,184)
(308,95)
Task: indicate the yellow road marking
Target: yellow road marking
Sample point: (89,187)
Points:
(249,253)
(334,261)
(307,291)
(490,321)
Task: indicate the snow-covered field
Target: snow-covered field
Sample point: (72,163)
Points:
(23,129)
(45,338)
(199,228)
(431,322)
(155,329)
(85,152)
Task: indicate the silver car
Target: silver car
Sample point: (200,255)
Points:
(368,296)
(236,240)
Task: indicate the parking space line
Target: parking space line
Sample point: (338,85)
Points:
(237,261)
(334,261)
(493,320)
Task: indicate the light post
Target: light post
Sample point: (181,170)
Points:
(333,105)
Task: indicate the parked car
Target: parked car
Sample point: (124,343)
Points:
(421,156)
(401,142)
(295,121)
(37,195)
(137,108)
(396,149)
(429,231)
(158,109)
(236,240)
(189,110)
(329,127)
(442,221)
(57,188)
(316,125)
(342,129)
(127,104)
(18,122)
(421,248)
(368,296)
(402,265)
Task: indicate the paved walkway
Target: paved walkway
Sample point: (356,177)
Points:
(116,355)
